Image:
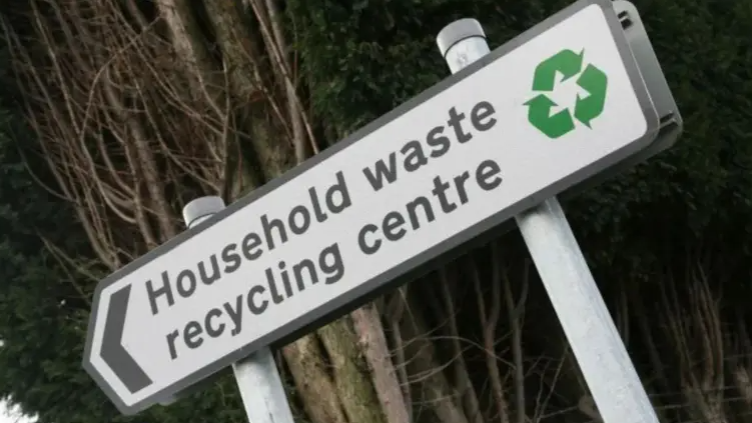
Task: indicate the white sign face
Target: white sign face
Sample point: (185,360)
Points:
(551,108)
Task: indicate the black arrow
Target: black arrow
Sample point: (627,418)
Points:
(113,353)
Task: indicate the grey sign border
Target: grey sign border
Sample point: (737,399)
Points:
(413,266)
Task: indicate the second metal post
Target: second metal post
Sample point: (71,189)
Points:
(587,323)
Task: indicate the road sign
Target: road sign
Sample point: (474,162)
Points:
(443,168)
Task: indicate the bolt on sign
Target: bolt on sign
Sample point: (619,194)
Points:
(555,106)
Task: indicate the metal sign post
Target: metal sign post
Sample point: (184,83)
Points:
(258,379)
(587,323)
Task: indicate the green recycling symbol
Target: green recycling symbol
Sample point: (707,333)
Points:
(591,79)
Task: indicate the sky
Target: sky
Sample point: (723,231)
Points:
(11,416)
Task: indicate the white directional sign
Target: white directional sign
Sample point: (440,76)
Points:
(549,109)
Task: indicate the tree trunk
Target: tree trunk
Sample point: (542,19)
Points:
(341,391)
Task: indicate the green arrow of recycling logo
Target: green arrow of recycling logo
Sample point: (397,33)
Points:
(591,79)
